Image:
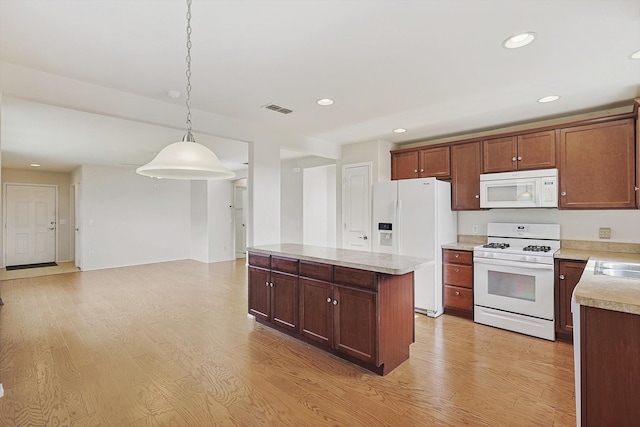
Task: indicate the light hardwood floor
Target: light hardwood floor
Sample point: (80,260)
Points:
(171,344)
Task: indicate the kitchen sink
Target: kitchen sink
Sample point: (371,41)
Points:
(617,269)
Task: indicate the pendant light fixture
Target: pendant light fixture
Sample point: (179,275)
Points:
(186,159)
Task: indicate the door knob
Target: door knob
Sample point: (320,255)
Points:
(363,237)
(51,228)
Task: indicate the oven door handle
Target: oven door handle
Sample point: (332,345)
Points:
(509,263)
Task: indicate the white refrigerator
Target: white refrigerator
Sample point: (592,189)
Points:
(413,217)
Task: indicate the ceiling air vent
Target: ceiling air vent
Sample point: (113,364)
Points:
(277,108)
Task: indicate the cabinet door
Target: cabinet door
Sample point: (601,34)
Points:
(500,154)
(259,293)
(537,150)
(466,165)
(354,320)
(597,166)
(404,165)
(316,309)
(568,275)
(435,162)
(284,300)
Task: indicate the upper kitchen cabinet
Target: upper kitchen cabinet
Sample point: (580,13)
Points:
(597,166)
(421,163)
(466,166)
(521,152)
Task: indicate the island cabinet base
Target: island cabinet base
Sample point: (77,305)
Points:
(361,316)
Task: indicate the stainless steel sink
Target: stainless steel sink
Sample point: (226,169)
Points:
(617,269)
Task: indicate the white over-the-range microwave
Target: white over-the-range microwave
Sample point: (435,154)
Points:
(521,189)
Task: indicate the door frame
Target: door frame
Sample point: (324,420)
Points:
(76,210)
(245,203)
(343,198)
(4,217)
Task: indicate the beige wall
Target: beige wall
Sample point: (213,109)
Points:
(63,181)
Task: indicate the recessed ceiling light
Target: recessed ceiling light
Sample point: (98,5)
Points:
(324,101)
(34,165)
(399,130)
(519,40)
(549,98)
(635,55)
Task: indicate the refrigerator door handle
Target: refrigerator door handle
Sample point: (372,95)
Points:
(398,240)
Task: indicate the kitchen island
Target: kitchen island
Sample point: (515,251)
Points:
(354,304)
(606,311)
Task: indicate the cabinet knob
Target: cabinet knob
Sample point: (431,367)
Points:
(415,171)
(562,277)
(421,170)
(457,255)
(477,196)
(457,293)
(636,188)
(456,270)
(335,302)
(564,193)
(266,283)
(513,159)
(271,284)
(328,299)
(519,158)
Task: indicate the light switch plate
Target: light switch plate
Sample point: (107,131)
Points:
(605,232)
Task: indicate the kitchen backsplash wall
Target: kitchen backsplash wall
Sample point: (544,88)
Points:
(574,224)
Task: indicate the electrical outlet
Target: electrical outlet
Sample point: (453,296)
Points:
(605,232)
(474,229)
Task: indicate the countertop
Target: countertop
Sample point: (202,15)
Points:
(600,291)
(371,261)
(460,246)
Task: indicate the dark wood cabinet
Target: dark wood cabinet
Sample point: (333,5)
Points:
(610,372)
(520,152)
(457,280)
(421,163)
(354,323)
(466,166)
(597,166)
(404,165)
(360,315)
(567,276)
(273,290)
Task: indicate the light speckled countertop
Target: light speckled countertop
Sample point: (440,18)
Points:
(372,261)
(460,246)
(600,291)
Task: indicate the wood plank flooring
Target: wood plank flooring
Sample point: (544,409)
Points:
(170,344)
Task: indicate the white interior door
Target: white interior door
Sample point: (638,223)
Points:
(76,226)
(30,224)
(356,207)
(240,219)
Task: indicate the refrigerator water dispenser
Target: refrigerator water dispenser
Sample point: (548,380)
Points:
(385,234)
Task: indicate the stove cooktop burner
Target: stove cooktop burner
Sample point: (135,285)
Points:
(535,248)
(496,245)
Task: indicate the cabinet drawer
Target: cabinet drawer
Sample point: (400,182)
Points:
(457,257)
(459,275)
(263,261)
(459,298)
(354,277)
(316,270)
(286,265)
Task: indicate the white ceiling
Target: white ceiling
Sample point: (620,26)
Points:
(436,68)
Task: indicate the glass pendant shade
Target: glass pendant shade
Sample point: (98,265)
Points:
(186,159)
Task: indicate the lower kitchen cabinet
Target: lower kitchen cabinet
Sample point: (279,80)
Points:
(340,318)
(457,278)
(273,295)
(568,275)
(609,368)
(359,315)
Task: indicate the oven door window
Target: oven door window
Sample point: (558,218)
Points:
(511,285)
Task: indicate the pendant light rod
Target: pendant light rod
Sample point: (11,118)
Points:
(186,159)
(188,73)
